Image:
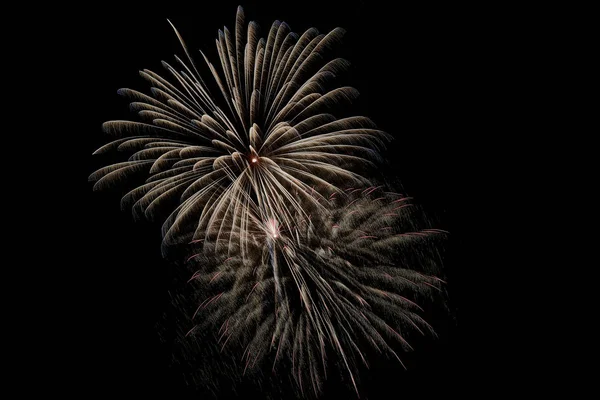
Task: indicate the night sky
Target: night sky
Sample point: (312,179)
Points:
(409,65)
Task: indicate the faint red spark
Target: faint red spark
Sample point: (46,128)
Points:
(215,276)
(253,287)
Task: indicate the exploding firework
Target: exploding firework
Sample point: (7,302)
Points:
(325,289)
(290,267)
(265,145)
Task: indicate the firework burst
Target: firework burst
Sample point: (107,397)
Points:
(350,280)
(264,146)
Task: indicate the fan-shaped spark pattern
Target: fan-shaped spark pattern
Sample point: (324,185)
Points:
(265,146)
(329,285)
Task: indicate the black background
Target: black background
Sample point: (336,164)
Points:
(414,67)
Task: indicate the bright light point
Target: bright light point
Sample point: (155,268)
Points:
(254,159)
(272,228)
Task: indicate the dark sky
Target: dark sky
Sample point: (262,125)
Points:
(411,66)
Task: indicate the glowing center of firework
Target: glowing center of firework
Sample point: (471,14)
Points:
(254,160)
(273,228)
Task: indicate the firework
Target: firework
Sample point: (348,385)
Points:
(252,168)
(262,143)
(350,280)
